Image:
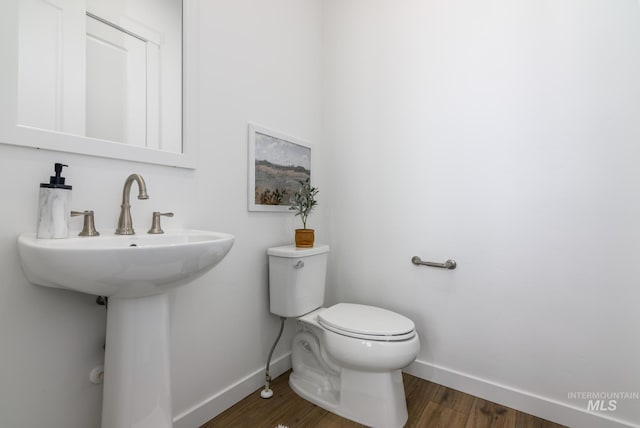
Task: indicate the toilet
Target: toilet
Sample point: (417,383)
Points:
(346,358)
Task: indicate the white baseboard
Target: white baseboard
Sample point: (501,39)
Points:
(216,404)
(546,408)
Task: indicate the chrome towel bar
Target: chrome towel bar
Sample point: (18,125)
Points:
(449,264)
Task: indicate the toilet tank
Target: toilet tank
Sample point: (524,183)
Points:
(297,279)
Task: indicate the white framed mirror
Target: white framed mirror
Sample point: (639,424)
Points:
(99,77)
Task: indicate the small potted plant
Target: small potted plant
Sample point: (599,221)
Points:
(303,202)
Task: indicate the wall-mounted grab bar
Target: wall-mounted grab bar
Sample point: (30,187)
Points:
(449,264)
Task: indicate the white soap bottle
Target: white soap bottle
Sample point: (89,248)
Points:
(55,207)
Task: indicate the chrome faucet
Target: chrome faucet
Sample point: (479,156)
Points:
(125,225)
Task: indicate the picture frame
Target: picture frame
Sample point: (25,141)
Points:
(277,163)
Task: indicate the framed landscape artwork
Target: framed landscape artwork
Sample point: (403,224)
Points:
(277,164)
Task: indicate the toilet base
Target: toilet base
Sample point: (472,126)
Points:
(371,399)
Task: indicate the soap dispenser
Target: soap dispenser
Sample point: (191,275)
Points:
(54,208)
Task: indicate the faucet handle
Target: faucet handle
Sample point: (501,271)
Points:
(155,223)
(89,227)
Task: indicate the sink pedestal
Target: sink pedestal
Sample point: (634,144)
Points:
(137,374)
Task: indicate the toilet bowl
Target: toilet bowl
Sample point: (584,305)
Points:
(355,377)
(346,358)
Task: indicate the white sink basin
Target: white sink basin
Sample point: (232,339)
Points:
(122,266)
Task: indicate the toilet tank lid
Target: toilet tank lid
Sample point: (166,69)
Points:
(292,251)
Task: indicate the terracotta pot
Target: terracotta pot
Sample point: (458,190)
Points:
(304,238)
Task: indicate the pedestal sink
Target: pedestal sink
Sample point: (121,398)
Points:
(135,272)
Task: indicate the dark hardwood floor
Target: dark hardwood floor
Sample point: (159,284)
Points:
(429,405)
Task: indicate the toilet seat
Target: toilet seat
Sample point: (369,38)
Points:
(366,322)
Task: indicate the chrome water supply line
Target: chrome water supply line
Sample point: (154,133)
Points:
(267,392)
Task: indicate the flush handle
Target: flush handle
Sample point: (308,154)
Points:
(299,265)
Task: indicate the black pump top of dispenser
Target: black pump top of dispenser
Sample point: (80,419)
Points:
(57,181)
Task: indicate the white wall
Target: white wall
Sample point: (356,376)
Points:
(502,134)
(259,63)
